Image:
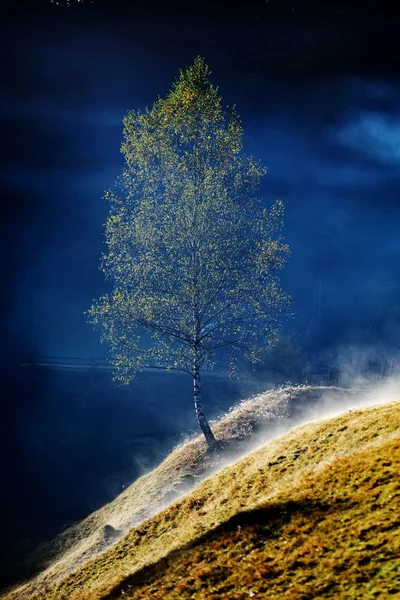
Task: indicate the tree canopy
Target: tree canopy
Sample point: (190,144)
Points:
(193,253)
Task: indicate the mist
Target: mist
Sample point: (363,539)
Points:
(365,391)
(329,140)
(318,109)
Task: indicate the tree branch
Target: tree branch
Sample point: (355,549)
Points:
(175,333)
(168,369)
(230,322)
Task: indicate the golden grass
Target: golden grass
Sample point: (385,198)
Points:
(296,490)
(335,534)
(180,471)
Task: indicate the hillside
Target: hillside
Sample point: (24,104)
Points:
(309,511)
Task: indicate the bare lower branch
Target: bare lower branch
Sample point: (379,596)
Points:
(189,372)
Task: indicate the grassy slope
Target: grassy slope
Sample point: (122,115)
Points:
(336,534)
(267,522)
(180,471)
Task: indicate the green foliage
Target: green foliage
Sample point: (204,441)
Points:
(192,252)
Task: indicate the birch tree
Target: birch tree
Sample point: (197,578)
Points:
(193,253)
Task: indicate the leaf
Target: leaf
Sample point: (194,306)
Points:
(192,253)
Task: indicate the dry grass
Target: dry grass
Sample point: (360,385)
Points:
(336,534)
(281,476)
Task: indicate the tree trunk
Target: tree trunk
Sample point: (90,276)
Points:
(201,419)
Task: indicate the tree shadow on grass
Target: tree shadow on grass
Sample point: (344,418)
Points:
(268,521)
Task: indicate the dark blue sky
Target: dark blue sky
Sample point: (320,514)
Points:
(318,94)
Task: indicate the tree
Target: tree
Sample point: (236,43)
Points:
(192,253)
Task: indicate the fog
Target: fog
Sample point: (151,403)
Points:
(318,108)
(329,140)
(366,392)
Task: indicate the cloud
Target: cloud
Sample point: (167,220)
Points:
(337,176)
(373,134)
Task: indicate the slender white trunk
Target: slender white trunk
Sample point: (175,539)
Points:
(201,419)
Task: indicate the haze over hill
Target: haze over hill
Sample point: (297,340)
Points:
(150,520)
